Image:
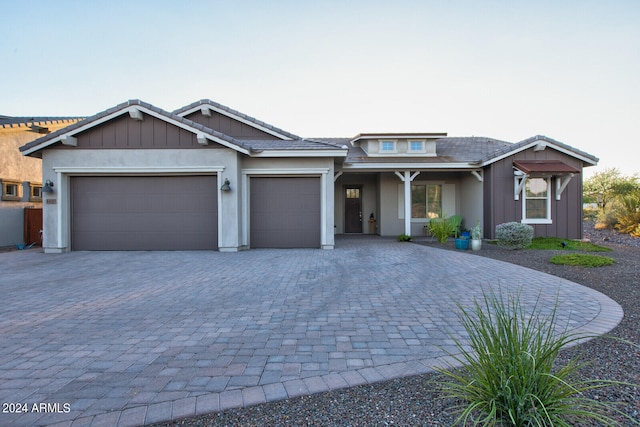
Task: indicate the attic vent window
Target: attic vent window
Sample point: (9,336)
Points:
(387,146)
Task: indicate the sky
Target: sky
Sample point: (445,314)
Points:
(509,70)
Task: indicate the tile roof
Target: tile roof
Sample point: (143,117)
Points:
(11,122)
(247,145)
(449,150)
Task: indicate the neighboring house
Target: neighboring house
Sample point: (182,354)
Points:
(136,177)
(21,177)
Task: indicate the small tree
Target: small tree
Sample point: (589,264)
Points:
(604,187)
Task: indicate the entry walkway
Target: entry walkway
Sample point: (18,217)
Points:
(116,338)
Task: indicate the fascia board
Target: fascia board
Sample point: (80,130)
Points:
(300,153)
(181,170)
(235,117)
(407,166)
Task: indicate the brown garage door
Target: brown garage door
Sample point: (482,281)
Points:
(144,213)
(285,212)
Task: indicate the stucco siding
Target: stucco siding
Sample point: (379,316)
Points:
(60,165)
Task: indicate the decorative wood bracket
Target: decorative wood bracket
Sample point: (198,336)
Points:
(406,175)
(69,140)
(518,184)
(336,176)
(202,140)
(561,184)
(479,175)
(135,114)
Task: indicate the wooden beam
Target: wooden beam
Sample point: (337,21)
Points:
(561,184)
(206,111)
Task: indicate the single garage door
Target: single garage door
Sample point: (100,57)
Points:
(285,212)
(131,213)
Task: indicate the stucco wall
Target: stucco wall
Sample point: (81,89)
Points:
(60,165)
(21,169)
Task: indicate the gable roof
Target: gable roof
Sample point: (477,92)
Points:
(538,142)
(277,147)
(236,115)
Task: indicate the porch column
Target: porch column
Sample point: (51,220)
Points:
(407,178)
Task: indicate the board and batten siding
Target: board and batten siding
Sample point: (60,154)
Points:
(123,132)
(500,206)
(228,126)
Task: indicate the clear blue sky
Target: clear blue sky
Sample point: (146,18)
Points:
(504,69)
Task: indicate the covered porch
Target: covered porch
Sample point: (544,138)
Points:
(394,202)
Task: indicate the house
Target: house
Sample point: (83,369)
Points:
(136,177)
(21,177)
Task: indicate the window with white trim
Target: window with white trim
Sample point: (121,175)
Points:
(536,201)
(426,201)
(387,146)
(416,146)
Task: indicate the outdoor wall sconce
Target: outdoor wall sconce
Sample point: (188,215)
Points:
(48,187)
(226,185)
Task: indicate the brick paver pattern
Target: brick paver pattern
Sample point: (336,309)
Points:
(131,338)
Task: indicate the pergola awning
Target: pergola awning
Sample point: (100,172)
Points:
(544,167)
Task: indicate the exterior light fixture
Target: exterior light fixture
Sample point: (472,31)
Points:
(48,187)
(226,185)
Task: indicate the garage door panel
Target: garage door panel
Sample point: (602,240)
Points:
(285,212)
(144,213)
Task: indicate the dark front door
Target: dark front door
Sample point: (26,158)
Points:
(353,210)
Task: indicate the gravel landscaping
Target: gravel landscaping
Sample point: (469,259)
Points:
(415,401)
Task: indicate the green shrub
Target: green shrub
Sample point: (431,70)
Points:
(441,228)
(555,243)
(514,235)
(404,238)
(509,376)
(582,260)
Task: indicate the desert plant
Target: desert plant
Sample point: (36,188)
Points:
(508,375)
(441,229)
(629,215)
(476,233)
(514,235)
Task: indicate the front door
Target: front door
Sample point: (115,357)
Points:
(353,210)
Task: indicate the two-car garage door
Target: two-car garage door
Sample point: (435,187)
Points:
(144,213)
(181,212)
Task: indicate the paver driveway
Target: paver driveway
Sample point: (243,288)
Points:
(117,338)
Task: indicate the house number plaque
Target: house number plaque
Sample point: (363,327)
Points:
(51,201)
